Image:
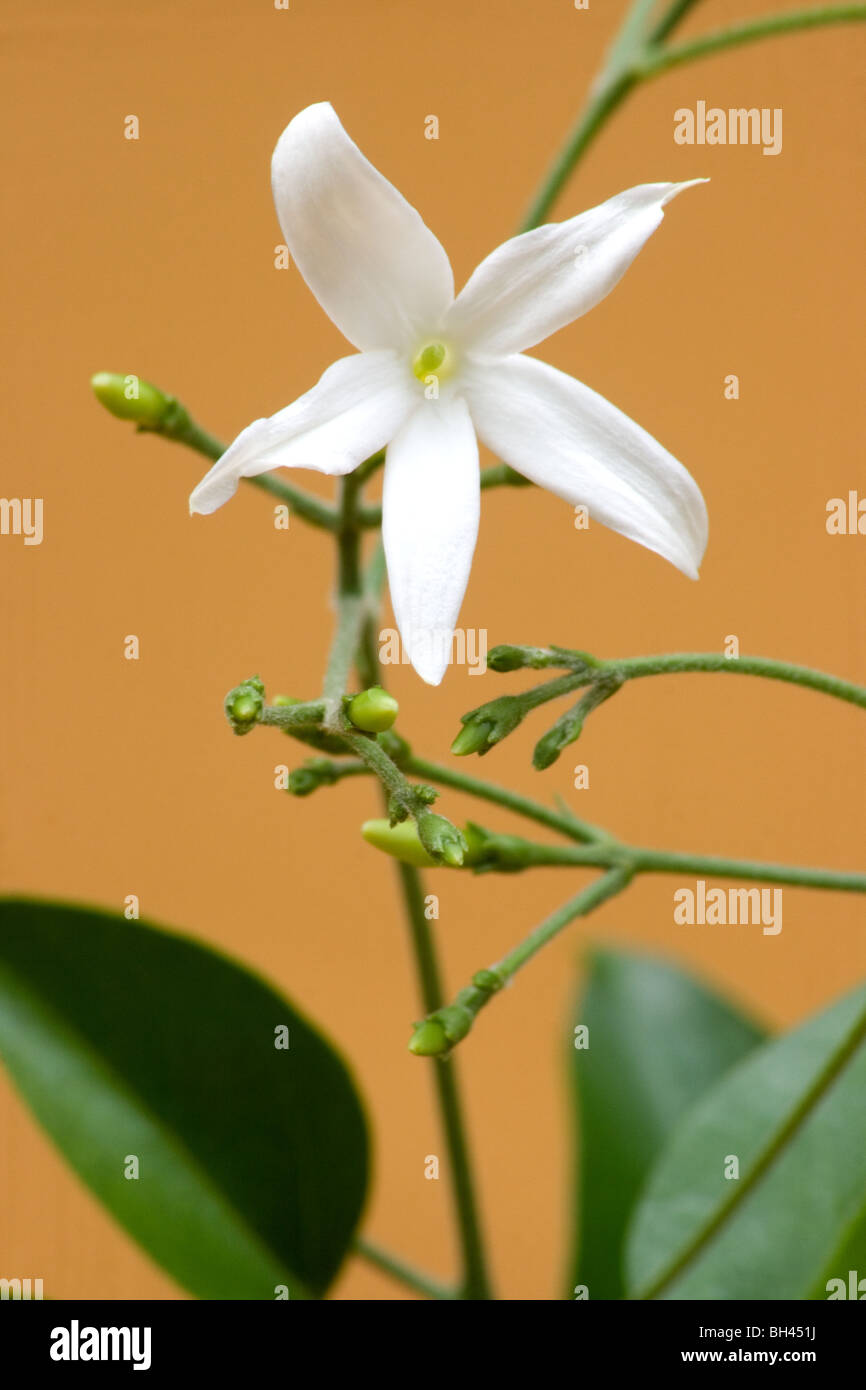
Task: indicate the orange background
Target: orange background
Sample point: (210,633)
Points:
(156,257)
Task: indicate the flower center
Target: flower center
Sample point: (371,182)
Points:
(433,360)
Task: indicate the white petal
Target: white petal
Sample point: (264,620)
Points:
(572,441)
(366,254)
(356,406)
(538,282)
(430,509)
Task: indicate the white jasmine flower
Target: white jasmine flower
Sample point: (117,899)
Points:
(433,372)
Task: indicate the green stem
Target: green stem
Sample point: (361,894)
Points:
(607,97)
(352,606)
(399,790)
(622,863)
(657,861)
(398,1269)
(502,475)
(598,892)
(352,590)
(307,714)
(630,38)
(512,854)
(567,824)
(487,983)
(740,1191)
(475,1283)
(597,847)
(631,668)
(634,59)
(367,655)
(657,59)
(182,429)
(668,22)
(617,79)
(351,611)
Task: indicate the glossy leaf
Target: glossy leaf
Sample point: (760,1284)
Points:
(130,1042)
(657,1040)
(793,1116)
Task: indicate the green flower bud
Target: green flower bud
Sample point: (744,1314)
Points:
(509,658)
(402,841)
(442,839)
(284,700)
(374,710)
(429,1039)
(487,725)
(244,705)
(131,399)
(551,744)
(318,772)
(472,738)
(302,782)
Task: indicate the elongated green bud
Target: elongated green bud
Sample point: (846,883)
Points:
(318,772)
(472,738)
(401,841)
(374,710)
(507,657)
(129,398)
(436,1035)
(429,1039)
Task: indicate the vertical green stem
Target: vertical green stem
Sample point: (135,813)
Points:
(350,594)
(668,22)
(616,79)
(348,544)
(354,643)
(608,96)
(475,1280)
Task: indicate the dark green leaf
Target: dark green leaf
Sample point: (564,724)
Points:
(793,1115)
(657,1040)
(127,1040)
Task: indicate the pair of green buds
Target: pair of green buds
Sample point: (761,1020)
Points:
(373,711)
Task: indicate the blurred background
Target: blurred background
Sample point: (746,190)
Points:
(156,257)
